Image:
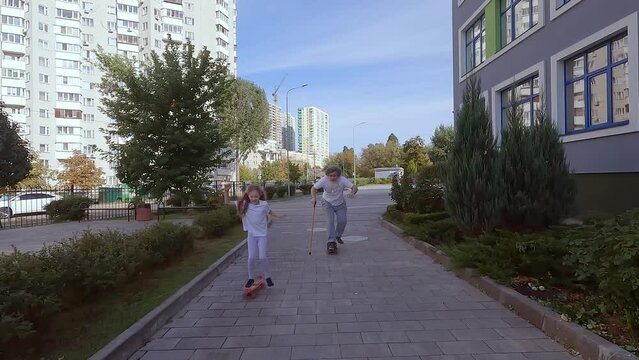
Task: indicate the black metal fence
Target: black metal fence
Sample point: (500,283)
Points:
(27,207)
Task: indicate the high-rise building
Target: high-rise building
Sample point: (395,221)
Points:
(576,58)
(289,133)
(275,118)
(48,82)
(313,133)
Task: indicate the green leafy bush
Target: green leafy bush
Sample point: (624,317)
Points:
(217,222)
(281,191)
(306,188)
(393,214)
(416,219)
(34,286)
(70,208)
(270,192)
(605,256)
(436,233)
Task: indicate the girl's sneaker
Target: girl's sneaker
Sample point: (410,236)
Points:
(249,283)
(339,239)
(269,282)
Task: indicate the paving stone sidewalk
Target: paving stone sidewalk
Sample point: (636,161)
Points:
(376,299)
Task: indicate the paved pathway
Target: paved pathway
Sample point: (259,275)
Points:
(378,298)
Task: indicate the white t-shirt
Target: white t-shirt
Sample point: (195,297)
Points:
(255,221)
(333,191)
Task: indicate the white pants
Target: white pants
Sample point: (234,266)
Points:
(257,246)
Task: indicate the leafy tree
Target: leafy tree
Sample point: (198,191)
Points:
(415,150)
(523,175)
(560,186)
(39,177)
(441,144)
(15,159)
(244,118)
(167,111)
(342,159)
(393,154)
(247,174)
(392,138)
(472,181)
(411,168)
(268,170)
(296,172)
(80,172)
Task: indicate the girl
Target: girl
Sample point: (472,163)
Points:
(333,202)
(256,216)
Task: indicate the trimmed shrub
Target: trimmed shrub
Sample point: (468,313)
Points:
(416,219)
(70,208)
(270,192)
(435,232)
(217,222)
(394,215)
(306,188)
(34,286)
(281,191)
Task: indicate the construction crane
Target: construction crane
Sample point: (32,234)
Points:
(278,89)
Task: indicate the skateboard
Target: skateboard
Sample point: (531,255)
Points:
(258,284)
(331,247)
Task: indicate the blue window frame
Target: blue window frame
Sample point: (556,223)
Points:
(517,17)
(524,96)
(476,44)
(597,87)
(560,3)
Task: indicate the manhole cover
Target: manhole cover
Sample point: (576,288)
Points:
(354,238)
(316,230)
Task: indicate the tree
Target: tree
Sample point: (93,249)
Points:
(246,173)
(15,159)
(296,172)
(415,150)
(342,159)
(244,117)
(167,111)
(523,175)
(559,184)
(472,181)
(80,172)
(268,170)
(39,177)
(441,144)
(393,156)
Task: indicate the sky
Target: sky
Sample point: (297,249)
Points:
(384,62)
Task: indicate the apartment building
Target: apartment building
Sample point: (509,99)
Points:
(313,133)
(48,81)
(276,120)
(579,59)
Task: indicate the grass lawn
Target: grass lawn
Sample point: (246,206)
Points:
(80,332)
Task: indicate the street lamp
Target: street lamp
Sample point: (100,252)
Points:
(288,145)
(354,159)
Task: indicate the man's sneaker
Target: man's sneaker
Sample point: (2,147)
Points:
(269,282)
(249,283)
(339,239)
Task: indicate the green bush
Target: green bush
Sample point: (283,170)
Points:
(423,193)
(436,233)
(306,188)
(416,219)
(393,214)
(216,222)
(34,286)
(270,192)
(293,189)
(70,208)
(605,257)
(281,191)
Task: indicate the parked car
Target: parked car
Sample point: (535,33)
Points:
(25,203)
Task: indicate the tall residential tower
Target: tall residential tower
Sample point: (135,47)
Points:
(313,133)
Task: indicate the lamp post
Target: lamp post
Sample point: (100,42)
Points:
(354,159)
(288,145)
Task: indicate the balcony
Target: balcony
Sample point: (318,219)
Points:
(14,101)
(13,64)
(13,48)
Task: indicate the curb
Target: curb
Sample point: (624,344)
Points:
(589,345)
(133,338)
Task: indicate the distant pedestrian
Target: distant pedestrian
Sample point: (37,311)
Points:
(333,202)
(256,216)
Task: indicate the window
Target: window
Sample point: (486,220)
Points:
(67,130)
(44,78)
(43,10)
(70,31)
(517,16)
(173,13)
(222,29)
(89,134)
(190,35)
(68,114)
(44,130)
(128,8)
(42,61)
(67,47)
(44,148)
(67,14)
(220,15)
(145,26)
(88,22)
(64,96)
(89,102)
(524,96)
(128,39)
(222,43)
(12,20)
(13,73)
(13,91)
(43,27)
(67,64)
(597,87)
(145,10)
(88,38)
(560,3)
(43,44)
(169,28)
(14,3)
(13,38)
(189,21)
(475,44)
(88,117)
(44,163)
(45,114)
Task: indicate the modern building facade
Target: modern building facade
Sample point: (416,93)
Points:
(289,133)
(579,59)
(48,81)
(313,133)
(276,120)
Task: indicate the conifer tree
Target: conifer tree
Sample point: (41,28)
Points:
(472,181)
